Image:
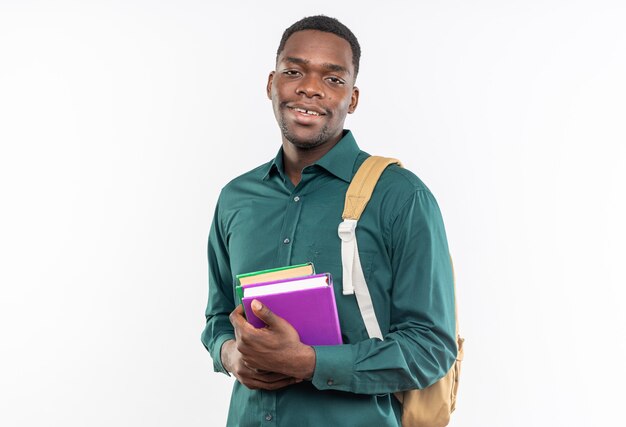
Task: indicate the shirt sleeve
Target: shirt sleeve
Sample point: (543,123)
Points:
(420,346)
(218,328)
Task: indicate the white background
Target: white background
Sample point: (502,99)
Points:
(120,121)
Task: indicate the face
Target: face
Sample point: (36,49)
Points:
(312,89)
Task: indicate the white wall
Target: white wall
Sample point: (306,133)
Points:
(121,120)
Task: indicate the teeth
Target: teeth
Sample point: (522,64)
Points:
(302,110)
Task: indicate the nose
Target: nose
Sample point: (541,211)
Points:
(310,86)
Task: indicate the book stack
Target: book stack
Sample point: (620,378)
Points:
(304,299)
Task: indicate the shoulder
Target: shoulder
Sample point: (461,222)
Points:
(244,183)
(395,178)
(402,180)
(398,183)
(400,192)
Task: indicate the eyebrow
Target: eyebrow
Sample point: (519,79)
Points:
(327,65)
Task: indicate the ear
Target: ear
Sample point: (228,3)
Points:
(270,80)
(354,100)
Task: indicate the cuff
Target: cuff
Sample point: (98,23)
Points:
(334,367)
(217,353)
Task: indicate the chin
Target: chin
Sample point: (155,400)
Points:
(305,142)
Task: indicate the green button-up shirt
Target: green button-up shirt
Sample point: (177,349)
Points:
(262,221)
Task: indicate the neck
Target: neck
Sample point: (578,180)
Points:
(295,159)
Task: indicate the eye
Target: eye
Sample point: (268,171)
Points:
(291,73)
(335,80)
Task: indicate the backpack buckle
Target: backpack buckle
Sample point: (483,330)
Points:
(347,230)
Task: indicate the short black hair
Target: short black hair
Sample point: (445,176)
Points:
(327,25)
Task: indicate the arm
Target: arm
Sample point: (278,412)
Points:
(219,334)
(218,329)
(420,346)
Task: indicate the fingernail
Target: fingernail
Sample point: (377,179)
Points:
(256,305)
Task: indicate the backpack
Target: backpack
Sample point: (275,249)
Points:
(428,407)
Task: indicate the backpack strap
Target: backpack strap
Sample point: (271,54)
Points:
(358,195)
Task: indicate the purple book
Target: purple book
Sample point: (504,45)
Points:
(307,303)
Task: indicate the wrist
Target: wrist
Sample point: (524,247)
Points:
(306,363)
(225,354)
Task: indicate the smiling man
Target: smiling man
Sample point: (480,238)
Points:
(287,212)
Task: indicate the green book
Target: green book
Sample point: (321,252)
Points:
(271,275)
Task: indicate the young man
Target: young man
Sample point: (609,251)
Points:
(287,212)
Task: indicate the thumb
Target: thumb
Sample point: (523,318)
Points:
(264,313)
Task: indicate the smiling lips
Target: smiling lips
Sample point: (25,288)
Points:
(307,112)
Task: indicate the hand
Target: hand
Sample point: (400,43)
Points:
(275,348)
(250,377)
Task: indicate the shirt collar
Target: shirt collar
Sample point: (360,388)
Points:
(339,161)
(275,166)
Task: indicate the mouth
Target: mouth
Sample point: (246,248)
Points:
(306,111)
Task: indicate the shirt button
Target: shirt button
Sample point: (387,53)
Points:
(296,199)
(268,417)
(330,382)
(286,241)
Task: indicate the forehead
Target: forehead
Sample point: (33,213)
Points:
(318,47)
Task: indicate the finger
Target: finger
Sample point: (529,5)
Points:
(270,377)
(259,371)
(280,384)
(236,314)
(247,376)
(256,384)
(264,375)
(253,369)
(264,313)
(237,318)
